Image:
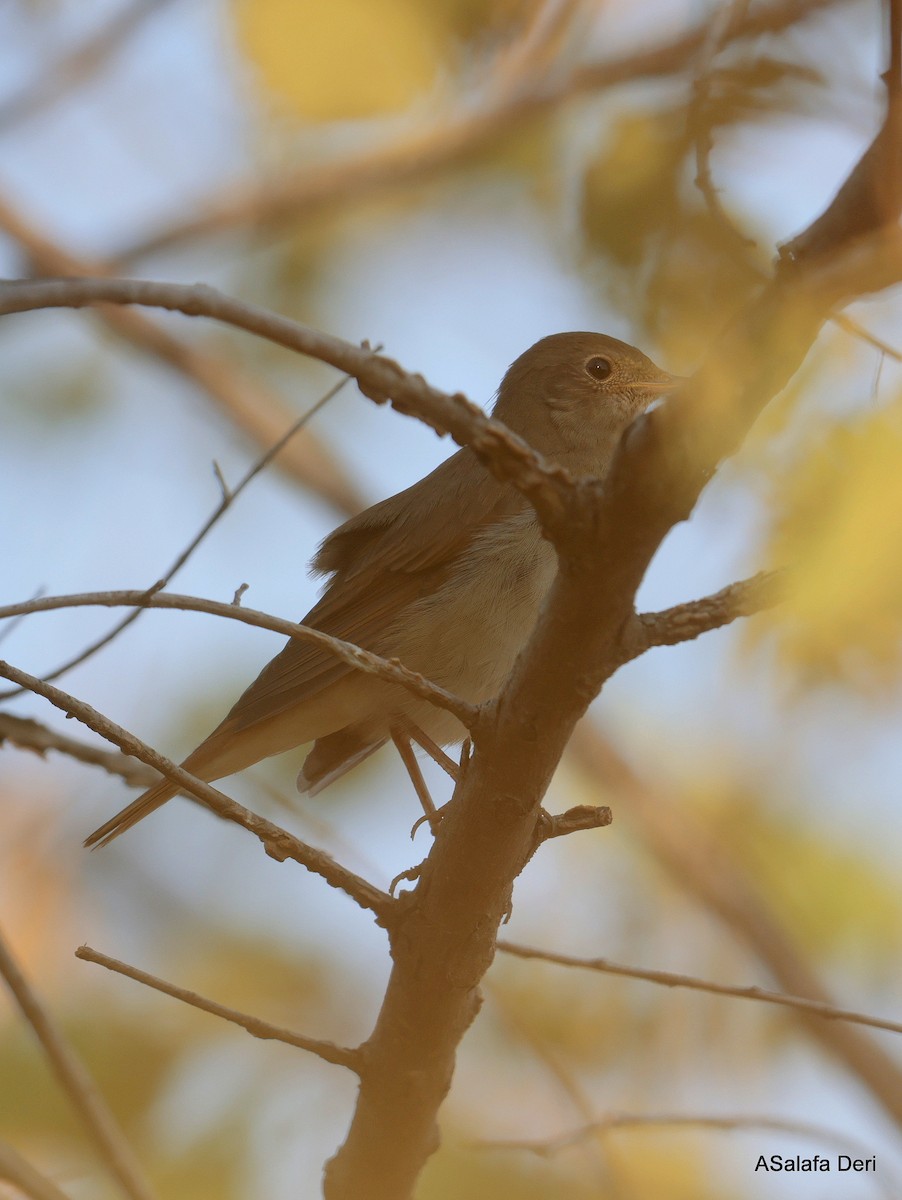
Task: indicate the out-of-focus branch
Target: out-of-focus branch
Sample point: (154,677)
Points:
(76,1083)
(278,843)
(718,882)
(339,1056)
(256,410)
(77,66)
(21,1174)
(670,979)
(391,671)
(807,1129)
(421,154)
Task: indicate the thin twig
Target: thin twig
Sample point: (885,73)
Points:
(684,622)
(340,1056)
(817,1008)
(389,670)
(77,1084)
(22,1175)
(278,843)
(14,624)
(229,496)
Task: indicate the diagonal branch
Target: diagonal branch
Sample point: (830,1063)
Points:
(381,379)
(390,670)
(278,843)
(76,1083)
(32,735)
(339,1056)
(818,1008)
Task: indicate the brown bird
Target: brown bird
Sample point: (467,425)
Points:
(448,576)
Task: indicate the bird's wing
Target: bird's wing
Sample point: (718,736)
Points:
(381,561)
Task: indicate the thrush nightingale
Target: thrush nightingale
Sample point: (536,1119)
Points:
(448,576)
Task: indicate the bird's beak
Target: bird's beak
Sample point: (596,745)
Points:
(664,385)
(650,391)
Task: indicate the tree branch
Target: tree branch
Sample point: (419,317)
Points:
(77,1084)
(339,1056)
(32,735)
(390,670)
(685,622)
(278,843)
(381,379)
(818,1008)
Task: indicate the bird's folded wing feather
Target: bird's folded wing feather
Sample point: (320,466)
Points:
(381,561)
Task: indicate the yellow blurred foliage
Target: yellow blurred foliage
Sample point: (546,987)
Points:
(343,59)
(831,895)
(839,534)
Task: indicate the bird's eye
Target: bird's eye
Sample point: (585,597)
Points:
(598,368)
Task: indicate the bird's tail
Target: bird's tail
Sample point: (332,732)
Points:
(145,804)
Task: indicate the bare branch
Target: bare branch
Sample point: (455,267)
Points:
(684,622)
(817,1008)
(76,1083)
(278,843)
(32,735)
(253,408)
(338,1055)
(381,379)
(390,670)
(574,820)
(21,1174)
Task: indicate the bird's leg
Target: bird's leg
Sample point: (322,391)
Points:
(401,737)
(433,749)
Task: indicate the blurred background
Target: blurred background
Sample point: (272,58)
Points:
(453,180)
